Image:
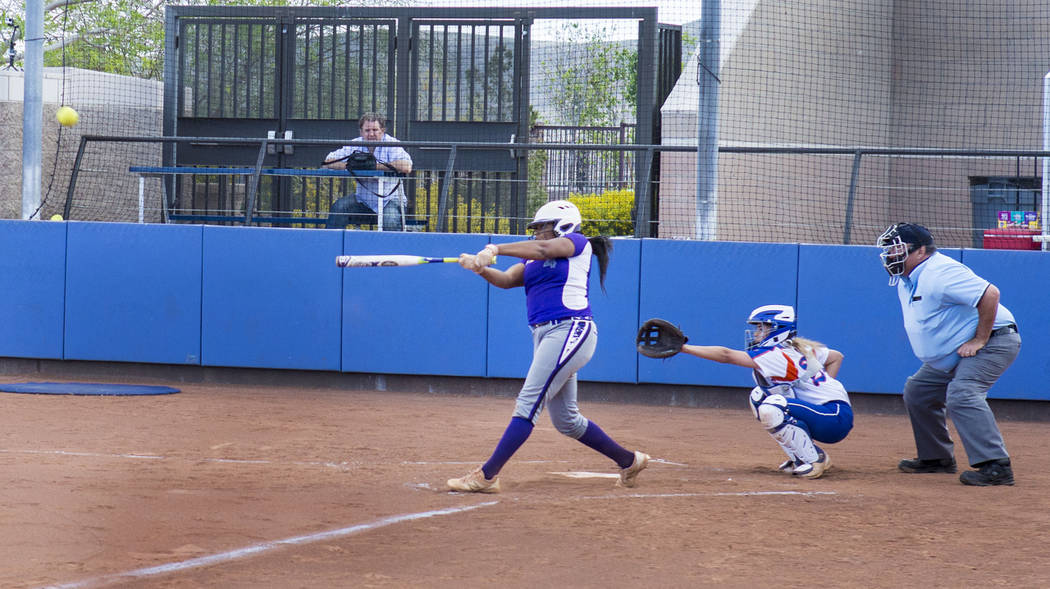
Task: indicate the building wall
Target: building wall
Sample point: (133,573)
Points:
(108,105)
(823,73)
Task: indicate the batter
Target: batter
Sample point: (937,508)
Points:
(555,269)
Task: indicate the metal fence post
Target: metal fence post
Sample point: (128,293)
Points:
(849,199)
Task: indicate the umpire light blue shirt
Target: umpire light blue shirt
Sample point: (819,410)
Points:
(939,301)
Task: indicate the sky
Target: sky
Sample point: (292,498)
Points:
(675,12)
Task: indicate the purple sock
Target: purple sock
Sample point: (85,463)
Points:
(595,438)
(518,430)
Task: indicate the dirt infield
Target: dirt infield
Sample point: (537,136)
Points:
(273,486)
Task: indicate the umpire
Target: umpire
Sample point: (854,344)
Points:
(966,340)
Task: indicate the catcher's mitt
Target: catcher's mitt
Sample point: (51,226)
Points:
(660,339)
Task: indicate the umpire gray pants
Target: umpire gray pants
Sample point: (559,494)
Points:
(963,392)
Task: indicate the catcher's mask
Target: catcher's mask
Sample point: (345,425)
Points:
(897,243)
(773,324)
(565,216)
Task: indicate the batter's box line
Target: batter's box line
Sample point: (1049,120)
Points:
(461,462)
(249,551)
(713,494)
(210,460)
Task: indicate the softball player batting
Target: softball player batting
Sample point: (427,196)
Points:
(797,399)
(554,270)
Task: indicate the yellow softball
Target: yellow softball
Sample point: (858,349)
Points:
(67,117)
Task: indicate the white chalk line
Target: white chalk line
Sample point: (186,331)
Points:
(240,553)
(582,474)
(475,462)
(713,494)
(159,457)
(327,464)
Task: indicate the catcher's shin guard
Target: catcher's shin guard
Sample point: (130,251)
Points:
(771,411)
(796,442)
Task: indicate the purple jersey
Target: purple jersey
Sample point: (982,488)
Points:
(557,289)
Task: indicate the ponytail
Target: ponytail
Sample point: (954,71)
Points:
(806,347)
(601,246)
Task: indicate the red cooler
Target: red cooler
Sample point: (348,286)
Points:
(1010,239)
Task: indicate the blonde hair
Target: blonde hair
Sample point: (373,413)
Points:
(806,347)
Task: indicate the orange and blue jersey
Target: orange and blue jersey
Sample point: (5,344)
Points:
(784,370)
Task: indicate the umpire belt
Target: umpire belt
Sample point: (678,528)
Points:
(1012,328)
(553,322)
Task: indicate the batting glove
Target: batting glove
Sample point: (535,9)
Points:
(486,256)
(469,262)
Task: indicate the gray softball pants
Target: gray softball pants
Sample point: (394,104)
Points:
(558,351)
(963,392)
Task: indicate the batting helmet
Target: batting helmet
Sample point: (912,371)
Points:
(779,322)
(565,216)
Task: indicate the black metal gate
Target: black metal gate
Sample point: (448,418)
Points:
(283,77)
(437,74)
(469,83)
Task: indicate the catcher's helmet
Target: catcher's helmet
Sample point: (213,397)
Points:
(565,216)
(780,323)
(897,242)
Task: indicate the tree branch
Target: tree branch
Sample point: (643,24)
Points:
(73,39)
(64,3)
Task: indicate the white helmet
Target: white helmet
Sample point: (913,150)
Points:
(781,322)
(565,216)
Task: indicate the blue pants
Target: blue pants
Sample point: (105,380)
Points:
(828,423)
(350,211)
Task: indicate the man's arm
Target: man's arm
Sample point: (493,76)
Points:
(337,155)
(402,166)
(398,157)
(987,307)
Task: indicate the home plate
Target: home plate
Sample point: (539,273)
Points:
(588,475)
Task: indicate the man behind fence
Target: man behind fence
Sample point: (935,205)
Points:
(361,208)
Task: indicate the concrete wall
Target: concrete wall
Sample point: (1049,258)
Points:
(108,104)
(273,298)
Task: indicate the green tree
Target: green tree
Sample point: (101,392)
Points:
(123,36)
(593,81)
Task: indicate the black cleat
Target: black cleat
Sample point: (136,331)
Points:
(988,474)
(930,465)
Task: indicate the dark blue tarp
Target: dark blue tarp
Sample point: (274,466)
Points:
(84,388)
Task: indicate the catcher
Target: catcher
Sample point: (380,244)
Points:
(797,399)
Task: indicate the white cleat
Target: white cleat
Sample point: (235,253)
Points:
(814,470)
(474,482)
(629,475)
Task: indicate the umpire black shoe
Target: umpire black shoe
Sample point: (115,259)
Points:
(929,465)
(991,473)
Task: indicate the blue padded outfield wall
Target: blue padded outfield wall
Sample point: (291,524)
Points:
(273,298)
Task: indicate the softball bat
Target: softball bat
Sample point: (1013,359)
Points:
(389,260)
